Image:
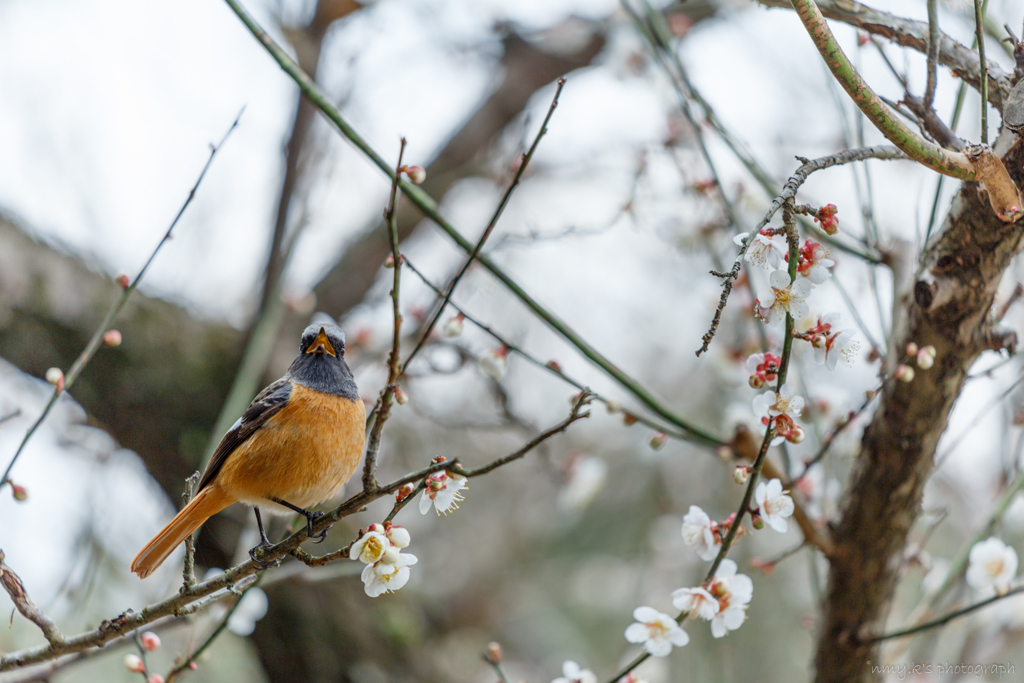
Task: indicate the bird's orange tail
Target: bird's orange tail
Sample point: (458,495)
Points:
(207,503)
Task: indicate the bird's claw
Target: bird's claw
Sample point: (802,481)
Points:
(256,551)
(310,520)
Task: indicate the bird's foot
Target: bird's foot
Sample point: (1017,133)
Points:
(311,518)
(256,553)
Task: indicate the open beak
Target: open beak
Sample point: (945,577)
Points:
(321,344)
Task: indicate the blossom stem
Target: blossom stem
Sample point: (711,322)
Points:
(382,410)
(523,163)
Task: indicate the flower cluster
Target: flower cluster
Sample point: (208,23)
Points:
(763,368)
(380,548)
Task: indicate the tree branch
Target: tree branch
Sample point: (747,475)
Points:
(979,162)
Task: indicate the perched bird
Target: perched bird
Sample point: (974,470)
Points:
(295,446)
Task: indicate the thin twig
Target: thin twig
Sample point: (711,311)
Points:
(429,207)
(979,34)
(934,40)
(16,590)
(943,620)
(547,367)
(187,661)
(382,410)
(523,163)
(188,573)
(789,191)
(97,338)
(577,414)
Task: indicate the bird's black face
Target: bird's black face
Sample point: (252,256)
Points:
(323,339)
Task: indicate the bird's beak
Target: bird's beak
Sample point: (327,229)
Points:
(321,344)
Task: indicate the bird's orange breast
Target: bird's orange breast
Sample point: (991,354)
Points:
(303,455)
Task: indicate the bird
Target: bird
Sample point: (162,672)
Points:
(294,447)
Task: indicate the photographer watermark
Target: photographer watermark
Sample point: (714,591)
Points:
(902,670)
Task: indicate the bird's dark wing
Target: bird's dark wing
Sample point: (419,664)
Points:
(266,404)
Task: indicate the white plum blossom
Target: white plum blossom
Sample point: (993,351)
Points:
(699,534)
(733,592)
(765,251)
(574,673)
(992,565)
(771,404)
(443,492)
(587,476)
(384,576)
(698,601)
(773,504)
(657,631)
(784,296)
(832,344)
(371,546)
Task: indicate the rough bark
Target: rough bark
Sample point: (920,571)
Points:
(947,306)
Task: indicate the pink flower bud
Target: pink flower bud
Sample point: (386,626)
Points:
(613,407)
(55,377)
(911,349)
(155,678)
(905,373)
(658,440)
(401,398)
(554,365)
(20,492)
(389,262)
(150,641)
(404,492)
(134,664)
(453,326)
(193,666)
(416,174)
(796,434)
(863,38)
(493,653)
(741,474)
(926,357)
(818,341)
(123,280)
(756,380)
(376,527)
(112,338)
